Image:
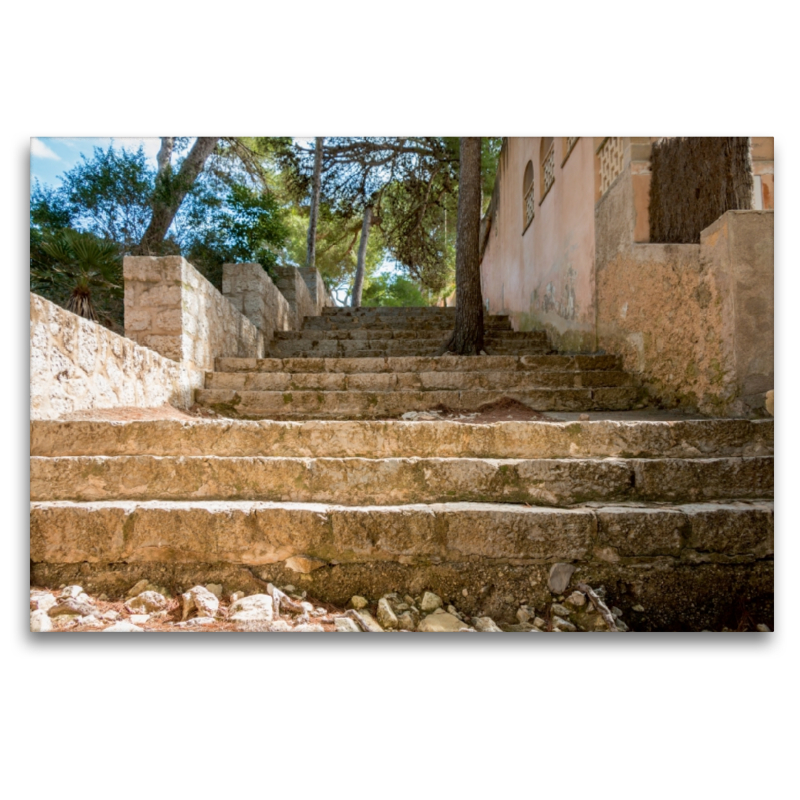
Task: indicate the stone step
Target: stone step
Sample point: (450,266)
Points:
(373,405)
(386,348)
(413,381)
(550,362)
(702,438)
(361,481)
(253,533)
(397,311)
(396,323)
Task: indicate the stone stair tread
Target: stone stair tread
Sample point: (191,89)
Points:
(395,403)
(421,363)
(259,532)
(549,482)
(395,438)
(415,381)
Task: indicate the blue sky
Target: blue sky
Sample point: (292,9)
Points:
(50,156)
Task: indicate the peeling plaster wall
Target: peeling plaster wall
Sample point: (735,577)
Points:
(544,278)
(78,365)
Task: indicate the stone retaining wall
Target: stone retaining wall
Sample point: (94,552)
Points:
(695,322)
(78,365)
(251,291)
(171,308)
(293,287)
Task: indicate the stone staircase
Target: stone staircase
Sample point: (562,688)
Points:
(381,363)
(673,516)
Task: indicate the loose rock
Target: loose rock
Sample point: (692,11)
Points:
(358,602)
(559,578)
(346,625)
(201,600)
(430,602)
(256,608)
(42,601)
(576,600)
(386,617)
(147,602)
(40,621)
(560,624)
(123,627)
(442,623)
(303,564)
(486,625)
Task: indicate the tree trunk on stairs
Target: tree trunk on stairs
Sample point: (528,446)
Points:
(362,257)
(311,250)
(467,336)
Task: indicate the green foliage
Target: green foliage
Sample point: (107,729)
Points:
(393,290)
(244,226)
(107,195)
(80,270)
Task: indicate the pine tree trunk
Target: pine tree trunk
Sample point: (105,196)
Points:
(467,337)
(170,192)
(362,257)
(311,250)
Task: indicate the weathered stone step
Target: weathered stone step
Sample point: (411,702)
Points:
(397,439)
(372,405)
(550,362)
(393,334)
(387,348)
(260,533)
(377,323)
(361,481)
(414,381)
(400,311)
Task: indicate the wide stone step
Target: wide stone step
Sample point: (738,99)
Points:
(413,381)
(387,348)
(260,533)
(398,311)
(372,405)
(550,362)
(361,481)
(396,323)
(704,438)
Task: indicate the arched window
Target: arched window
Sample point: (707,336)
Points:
(528,196)
(547,160)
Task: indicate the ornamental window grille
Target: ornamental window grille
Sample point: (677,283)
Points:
(611,160)
(548,164)
(569,144)
(528,196)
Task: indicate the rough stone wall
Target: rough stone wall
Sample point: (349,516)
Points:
(673,310)
(293,287)
(171,308)
(78,365)
(739,248)
(251,291)
(316,288)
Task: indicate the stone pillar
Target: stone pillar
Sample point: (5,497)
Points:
(172,309)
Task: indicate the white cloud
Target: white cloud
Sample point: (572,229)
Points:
(41,150)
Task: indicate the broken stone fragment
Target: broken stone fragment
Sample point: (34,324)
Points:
(576,600)
(560,624)
(256,608)
(199,599)
(358,602)
(559,578)
(123,627)
(430,602)
(561,611)
(442,623)
(386,617)
(486,625)
(40,621)
(346,625)
(42,601)
(147,602)
(406,621)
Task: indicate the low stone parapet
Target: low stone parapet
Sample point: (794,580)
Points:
(78,365)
